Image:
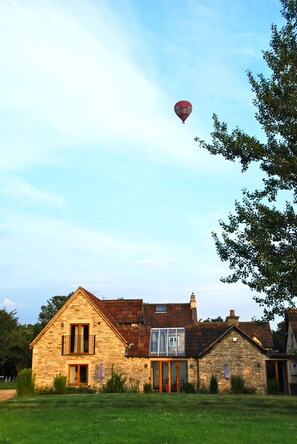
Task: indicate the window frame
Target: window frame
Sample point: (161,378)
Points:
(77,345)
(161,341)
(78,375)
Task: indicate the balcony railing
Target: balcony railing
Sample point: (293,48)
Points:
(78,345)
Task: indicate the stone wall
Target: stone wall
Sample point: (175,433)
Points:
(48,360)
(244,359)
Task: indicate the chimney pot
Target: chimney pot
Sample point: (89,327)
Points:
(193,307)
(232,319)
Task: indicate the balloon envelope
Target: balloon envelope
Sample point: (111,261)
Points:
(183,109)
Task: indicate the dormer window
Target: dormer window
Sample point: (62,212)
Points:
(167,341)
(161,308)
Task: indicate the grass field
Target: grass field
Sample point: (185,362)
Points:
(149,418)
(7,385)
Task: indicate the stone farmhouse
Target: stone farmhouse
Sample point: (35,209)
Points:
(161,344)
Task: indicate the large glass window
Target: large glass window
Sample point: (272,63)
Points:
(78,374)
(167,341)
(79,338)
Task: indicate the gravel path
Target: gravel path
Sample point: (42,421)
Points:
(7,394)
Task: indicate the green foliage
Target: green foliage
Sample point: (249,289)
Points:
(8,328)
(213,385)
(60,384)
(278,337)
(249,390)
(11,385)
(49,310)
(25,382)
(218,319)
(237,384)
(14,345)
(115,384)
(293,355)
(259,239)
(147,388)
(189,387)
(133,386)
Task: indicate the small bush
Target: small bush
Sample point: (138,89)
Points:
(133,386)
(189,387)
(59,384)
(25,382)
(147,388)
(116,383)
(237,384)
(249,390)
(202,389)
(44,390)
(213,385)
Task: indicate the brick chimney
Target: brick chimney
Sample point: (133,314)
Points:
(193,307)
(232,319)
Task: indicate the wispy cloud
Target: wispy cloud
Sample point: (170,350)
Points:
(73,82)
(8,303)
(16,188)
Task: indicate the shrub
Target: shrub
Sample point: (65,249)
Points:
(59,384)
(237,384)
(249,390)
(189,387)
(116,383)
(213,385)
(25,382)
(45,390)
(133,386)
(147,388)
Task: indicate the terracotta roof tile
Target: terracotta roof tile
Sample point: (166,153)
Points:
(128,316)
(138,338)
(204,334)
(125,311)
(176,315)
(260,330)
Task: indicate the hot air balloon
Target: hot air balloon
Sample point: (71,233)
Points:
(183,109)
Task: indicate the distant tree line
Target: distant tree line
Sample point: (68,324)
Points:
(15,338)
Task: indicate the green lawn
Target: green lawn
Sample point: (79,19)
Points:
(149,418)
(8,385)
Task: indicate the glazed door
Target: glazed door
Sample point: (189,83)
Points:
(169,376)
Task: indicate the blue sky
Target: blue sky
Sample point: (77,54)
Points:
(100,183)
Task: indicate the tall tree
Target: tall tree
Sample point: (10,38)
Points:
(48,311)
(259,240)
(8,327)
(14,344)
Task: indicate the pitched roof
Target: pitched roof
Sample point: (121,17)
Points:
(260,330)
(176,315)
(125,311)
(132,321)
(97,304)
(138,337)
(205,335)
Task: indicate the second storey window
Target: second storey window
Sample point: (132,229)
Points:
(79,338)
(167,341)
